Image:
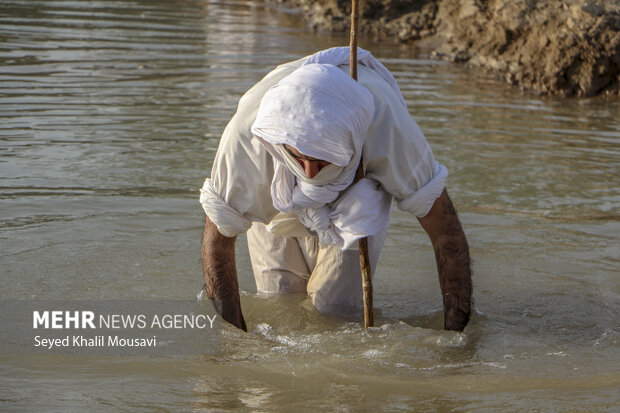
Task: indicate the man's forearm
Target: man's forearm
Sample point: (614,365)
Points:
(453,262)
(220,273)
(453,265)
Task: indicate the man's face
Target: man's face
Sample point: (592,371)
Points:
(310,165)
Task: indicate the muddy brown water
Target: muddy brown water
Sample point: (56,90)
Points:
(111,114)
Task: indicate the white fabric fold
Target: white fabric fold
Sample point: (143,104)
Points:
(228,221)
(288,225)
(421,202)
(340,55)
(363,210)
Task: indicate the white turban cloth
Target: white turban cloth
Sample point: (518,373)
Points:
(325,114)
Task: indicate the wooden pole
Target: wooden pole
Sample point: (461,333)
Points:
(364,257)
(355,17)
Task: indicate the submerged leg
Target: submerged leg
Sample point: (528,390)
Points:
(335,285)
(279,263)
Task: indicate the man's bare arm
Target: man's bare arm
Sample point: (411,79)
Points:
(220,272)
(453,264)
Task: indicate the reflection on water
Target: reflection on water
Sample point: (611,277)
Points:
(112,111)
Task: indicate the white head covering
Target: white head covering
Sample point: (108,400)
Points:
(323,113)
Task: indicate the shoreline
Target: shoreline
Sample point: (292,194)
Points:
(567,48)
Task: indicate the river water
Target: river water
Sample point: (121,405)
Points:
(111,114)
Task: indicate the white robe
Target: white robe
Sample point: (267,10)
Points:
(396,155)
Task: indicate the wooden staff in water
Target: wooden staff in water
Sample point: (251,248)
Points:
(364,257)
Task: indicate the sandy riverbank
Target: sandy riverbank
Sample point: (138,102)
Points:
(559,47)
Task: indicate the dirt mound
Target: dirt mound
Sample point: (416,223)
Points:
(561,47)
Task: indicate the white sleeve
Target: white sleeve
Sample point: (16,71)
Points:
(396,153)
(238,192)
